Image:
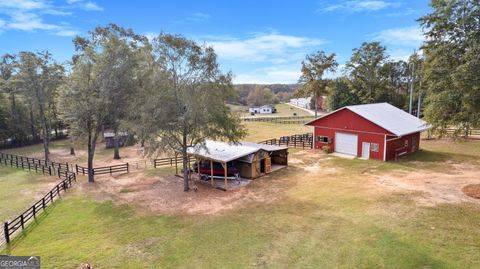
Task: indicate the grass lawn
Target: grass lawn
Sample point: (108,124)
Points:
(283,110)
(259,131)
(319,213)
(19,189)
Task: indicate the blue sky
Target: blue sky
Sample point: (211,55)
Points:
(259,41)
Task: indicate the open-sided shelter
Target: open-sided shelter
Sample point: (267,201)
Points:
(244,159)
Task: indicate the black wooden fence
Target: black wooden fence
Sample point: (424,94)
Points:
(119,168)
(46,167)
(169,161)
(281,120)
(33,164)
(295,141)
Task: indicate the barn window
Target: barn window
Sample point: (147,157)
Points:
(375,147)
(406,143)
(323,139)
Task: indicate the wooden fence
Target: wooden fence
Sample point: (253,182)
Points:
(471,134)
(46,167)
(33,164)
(295,141)
(119,168)
(169,161)
(281,120)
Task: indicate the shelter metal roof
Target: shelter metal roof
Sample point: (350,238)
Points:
(226,152)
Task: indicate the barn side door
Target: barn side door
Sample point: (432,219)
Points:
(268,165)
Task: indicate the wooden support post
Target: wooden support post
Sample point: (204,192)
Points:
(176,164)
(211,173)
(6,232)
(225,171)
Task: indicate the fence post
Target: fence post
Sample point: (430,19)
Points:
(128,170)
(43,203)
(34,213)
(21,221)
(7,235)
(110,170)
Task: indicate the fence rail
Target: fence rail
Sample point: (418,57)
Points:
(467,134)
(46,167)
(281,120)
(169,161)
(295,141)
(119,168)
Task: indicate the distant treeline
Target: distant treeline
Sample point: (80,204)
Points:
(260,94)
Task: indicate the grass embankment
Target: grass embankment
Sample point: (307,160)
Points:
(19,189)
(335,219)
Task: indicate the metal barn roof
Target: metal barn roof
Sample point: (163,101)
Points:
(263,146)
(388,117)
(221,151)
(226,152)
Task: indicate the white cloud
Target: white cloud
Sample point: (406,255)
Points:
(91,6)
(195,17)
(406,36)
(67,33)
(270,47)
(28,15)
(356,6)
(270,75)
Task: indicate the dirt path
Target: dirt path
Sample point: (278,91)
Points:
(433,187)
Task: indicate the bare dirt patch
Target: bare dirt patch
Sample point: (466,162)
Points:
(165,195)
(433,187)
(472,190)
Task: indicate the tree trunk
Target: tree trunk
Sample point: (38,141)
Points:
(185,164)
(316,104)
(72,144)
(116,151)
(32,125)
(91,152)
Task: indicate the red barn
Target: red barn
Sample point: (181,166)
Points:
(373,131)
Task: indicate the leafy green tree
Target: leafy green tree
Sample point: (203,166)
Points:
(260,96)
(452,65)
(192,92)
(340,94)
(40,76)
(365,68)
(313,69)
(98,88)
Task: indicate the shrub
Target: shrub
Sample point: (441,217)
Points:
(326,149)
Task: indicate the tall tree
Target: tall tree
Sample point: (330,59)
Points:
(365,67)
(452,65)
(313,69)
(40,77)
(94,95)
(192,91)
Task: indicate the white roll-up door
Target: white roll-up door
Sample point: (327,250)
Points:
(346,143)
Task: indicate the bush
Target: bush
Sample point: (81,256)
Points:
(326,149)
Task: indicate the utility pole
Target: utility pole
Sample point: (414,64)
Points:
(419,99)
(411,88)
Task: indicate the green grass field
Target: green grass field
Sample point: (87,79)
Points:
(283,110)
(333,217)
(19,190)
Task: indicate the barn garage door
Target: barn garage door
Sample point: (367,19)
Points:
(346,143)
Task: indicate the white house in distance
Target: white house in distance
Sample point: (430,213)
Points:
(266,109)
